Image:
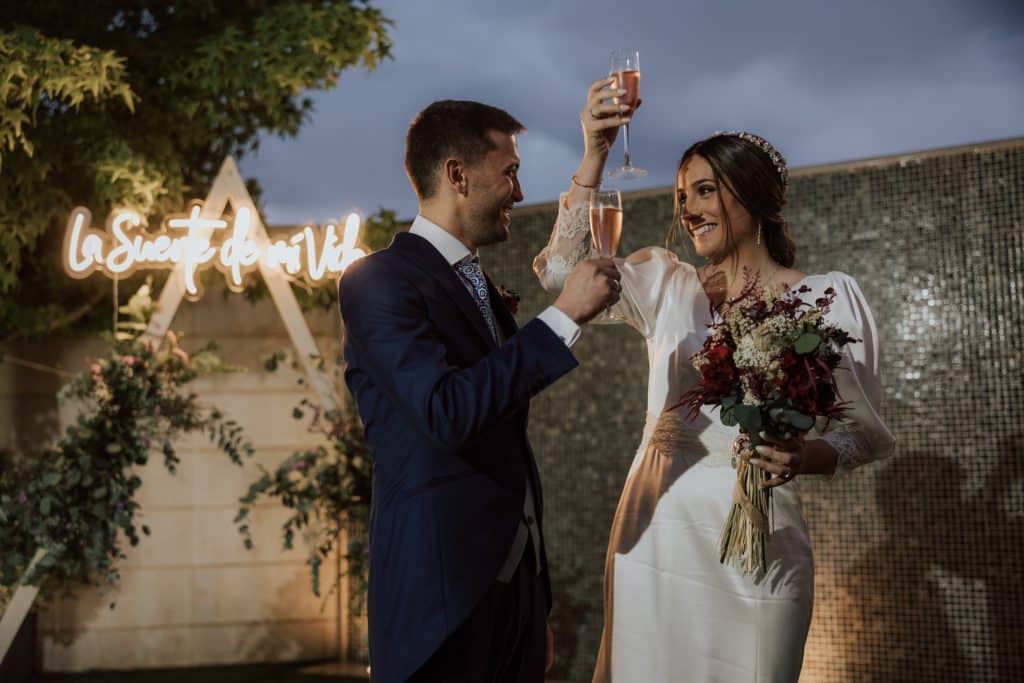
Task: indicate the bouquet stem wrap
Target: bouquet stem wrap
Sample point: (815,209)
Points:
(744,539)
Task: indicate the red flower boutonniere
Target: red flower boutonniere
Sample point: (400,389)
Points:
(510,297)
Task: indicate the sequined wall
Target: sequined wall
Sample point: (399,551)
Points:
(918,558)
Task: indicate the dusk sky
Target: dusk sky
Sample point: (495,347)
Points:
(824,81)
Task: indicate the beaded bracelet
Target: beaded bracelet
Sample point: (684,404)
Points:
(579,184)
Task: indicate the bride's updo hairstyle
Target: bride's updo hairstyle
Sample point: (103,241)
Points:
(756,174)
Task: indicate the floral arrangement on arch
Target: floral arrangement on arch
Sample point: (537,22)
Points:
(327,488)
(75,499)
(768,365)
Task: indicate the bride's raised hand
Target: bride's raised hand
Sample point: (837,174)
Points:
(601,117)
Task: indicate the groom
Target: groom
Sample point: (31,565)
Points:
(459,587)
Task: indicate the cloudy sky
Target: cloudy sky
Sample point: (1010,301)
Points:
(824,80)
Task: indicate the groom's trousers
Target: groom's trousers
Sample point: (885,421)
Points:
(504,639)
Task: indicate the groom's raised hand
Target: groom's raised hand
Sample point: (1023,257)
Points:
(592,286)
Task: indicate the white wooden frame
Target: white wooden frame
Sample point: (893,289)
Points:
(228,187)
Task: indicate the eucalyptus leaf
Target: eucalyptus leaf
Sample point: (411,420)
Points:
(728,417)
(799,420)
(806,343)
(749,418)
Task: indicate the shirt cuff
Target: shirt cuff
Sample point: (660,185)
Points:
(560,324)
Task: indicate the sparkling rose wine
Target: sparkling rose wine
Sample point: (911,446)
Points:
(629,80)
(605,229)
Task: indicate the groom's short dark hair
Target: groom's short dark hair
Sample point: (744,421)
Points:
(447,129)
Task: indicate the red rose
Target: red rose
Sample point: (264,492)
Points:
(797,384)
(718,372)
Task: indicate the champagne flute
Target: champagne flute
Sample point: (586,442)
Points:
(605,221)
(625,69)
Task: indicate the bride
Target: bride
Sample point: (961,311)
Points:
(672,612)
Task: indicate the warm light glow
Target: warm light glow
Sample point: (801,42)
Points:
(310,253)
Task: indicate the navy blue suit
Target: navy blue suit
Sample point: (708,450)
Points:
(445,411)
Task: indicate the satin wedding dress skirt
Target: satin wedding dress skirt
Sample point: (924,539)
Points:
(673,612)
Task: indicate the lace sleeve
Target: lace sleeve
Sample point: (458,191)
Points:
(645,273)
(852,449)
(569,244)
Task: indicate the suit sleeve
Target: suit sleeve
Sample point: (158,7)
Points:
(390,339)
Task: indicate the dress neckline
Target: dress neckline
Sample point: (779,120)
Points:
(792,287)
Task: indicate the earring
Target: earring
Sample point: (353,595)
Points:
(759,234)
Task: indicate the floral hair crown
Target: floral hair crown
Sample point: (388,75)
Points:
(778,160)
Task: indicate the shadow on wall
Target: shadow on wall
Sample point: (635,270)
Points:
(915,569)
(568,618)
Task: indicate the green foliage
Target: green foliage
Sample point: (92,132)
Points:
(749,418)
(806,343)
(379,229)
(136,104)
(38,71)
(327,488)
(76,498)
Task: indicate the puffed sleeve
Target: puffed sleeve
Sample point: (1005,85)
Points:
(861,437)
(645,273)
(645,276)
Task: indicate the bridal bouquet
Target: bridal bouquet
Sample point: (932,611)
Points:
(768,365)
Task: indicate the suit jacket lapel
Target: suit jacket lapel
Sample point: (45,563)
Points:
(430,261)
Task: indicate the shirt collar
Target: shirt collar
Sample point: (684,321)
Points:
(450,247)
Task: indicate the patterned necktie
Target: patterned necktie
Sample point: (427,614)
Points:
(470,269)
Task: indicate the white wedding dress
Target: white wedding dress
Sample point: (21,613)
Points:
(672,611)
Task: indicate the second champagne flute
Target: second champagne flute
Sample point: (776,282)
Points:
(606,221)
(625,69)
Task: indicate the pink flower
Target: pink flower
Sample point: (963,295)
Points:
(129,360)
(95,368)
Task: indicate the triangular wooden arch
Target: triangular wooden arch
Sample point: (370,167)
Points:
(228,187)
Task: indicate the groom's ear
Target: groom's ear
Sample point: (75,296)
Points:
(455,176)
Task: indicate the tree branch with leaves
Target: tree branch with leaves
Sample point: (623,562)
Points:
(135,105)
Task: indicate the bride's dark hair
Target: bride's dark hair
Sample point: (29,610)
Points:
(751,175)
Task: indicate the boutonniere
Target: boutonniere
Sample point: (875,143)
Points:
(510,297)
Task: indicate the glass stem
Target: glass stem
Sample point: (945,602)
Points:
(625,145)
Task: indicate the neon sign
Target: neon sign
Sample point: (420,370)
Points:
(312,254)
